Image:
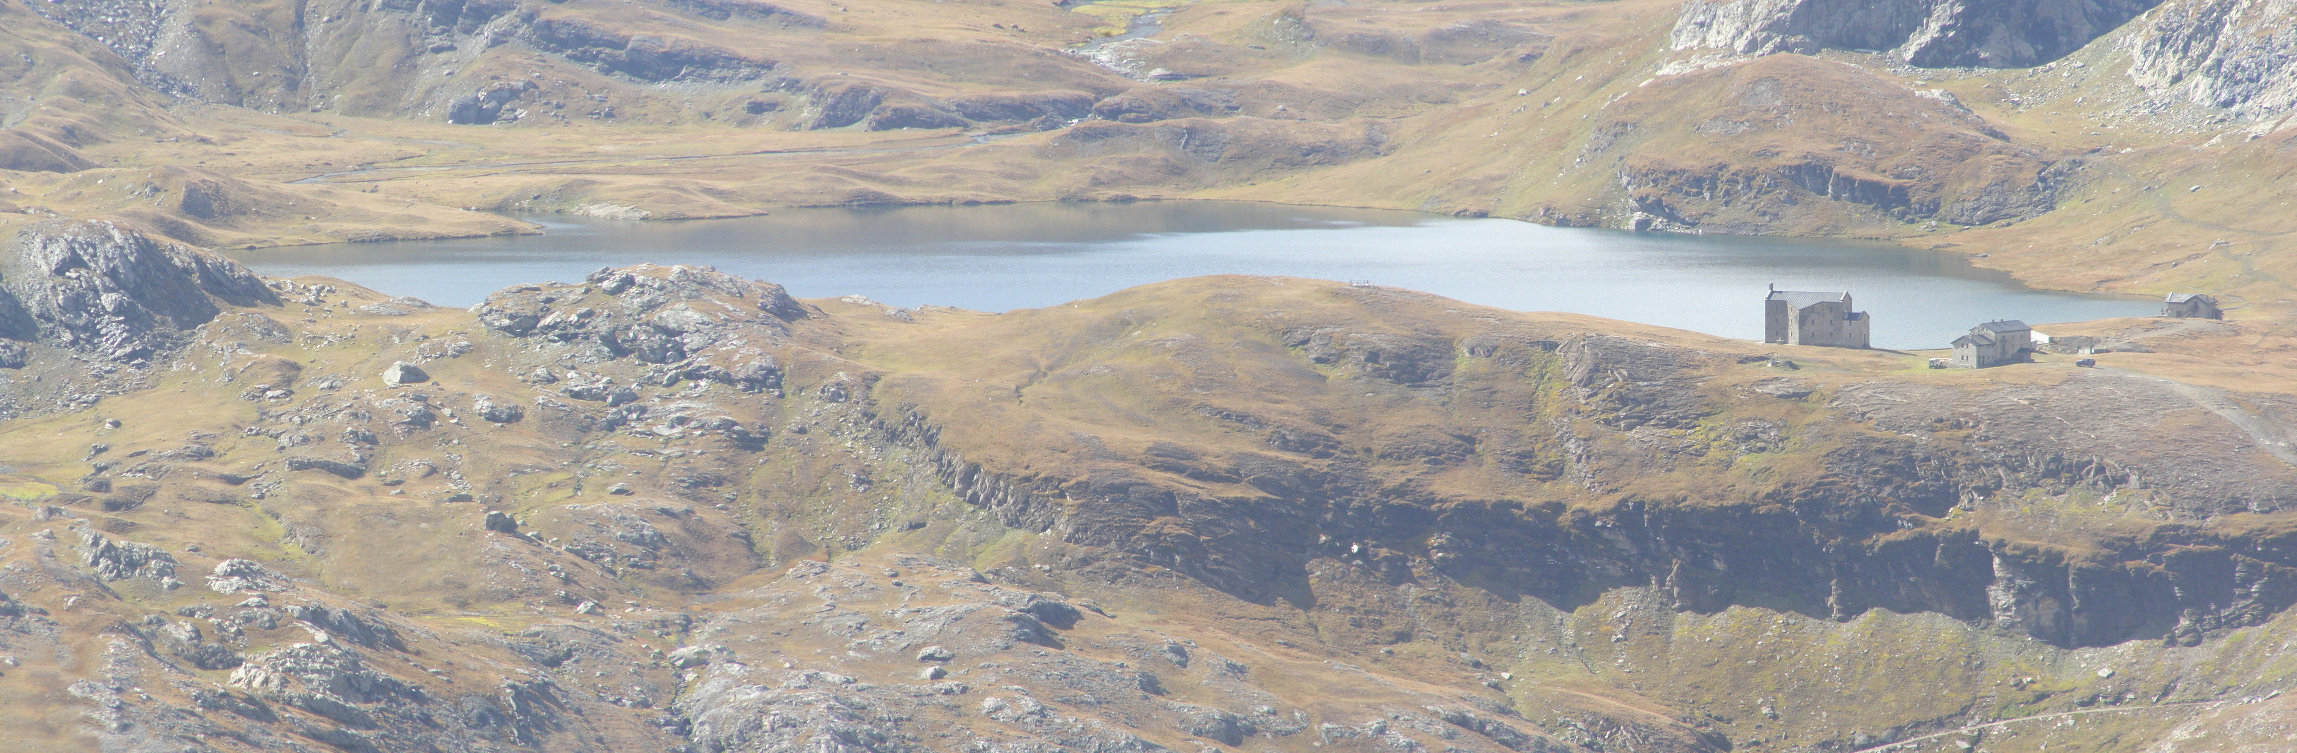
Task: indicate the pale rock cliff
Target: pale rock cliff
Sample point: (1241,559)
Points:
(1930,33)
(2240,55)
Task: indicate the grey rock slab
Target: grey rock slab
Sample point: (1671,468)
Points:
(403,373)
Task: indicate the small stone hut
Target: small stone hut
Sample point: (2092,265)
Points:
(2191,306)
(1799,317)
(1993,344)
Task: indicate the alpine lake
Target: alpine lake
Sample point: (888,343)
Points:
(1014,256)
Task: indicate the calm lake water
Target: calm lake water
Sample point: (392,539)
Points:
(999,258)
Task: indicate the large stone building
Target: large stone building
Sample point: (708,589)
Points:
(1798,317)
(2191,306)
(1993,344)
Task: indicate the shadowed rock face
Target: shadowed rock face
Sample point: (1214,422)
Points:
(111,292)
(1931,33)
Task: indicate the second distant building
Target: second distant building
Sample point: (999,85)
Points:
(1993,344)
(1800,317)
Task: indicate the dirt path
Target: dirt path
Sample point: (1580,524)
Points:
(2223,248)
(909,145)
(1913,741)
(2269,436)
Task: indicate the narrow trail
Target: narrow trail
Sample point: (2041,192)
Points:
(2223,249)
(380,170)
(2269,436)
(2159,196)
(1914,741)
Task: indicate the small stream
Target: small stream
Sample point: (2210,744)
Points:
(1109,52)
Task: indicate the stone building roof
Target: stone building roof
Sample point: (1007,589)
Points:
(1806,298)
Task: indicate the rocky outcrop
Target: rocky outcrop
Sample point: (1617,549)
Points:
(1402,359)
(2230,54)
(487,105)
(731,712)
(1630,383)
(694,323)
(645,58)
(1934,33)
(839,105)
(748,10)
(1149,104)
(1233,143)
(113,293)
(121,560)
(346,468)
(1704,195)
(1028,107)
(235,576)
(495,410)
(324,679)
(348,625)
(917,116)
(183,641)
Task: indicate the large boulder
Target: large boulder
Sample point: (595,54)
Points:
(403,373)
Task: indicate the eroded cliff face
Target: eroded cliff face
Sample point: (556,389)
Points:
(1930,33)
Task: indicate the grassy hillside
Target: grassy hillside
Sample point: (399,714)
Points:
(1243,512)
